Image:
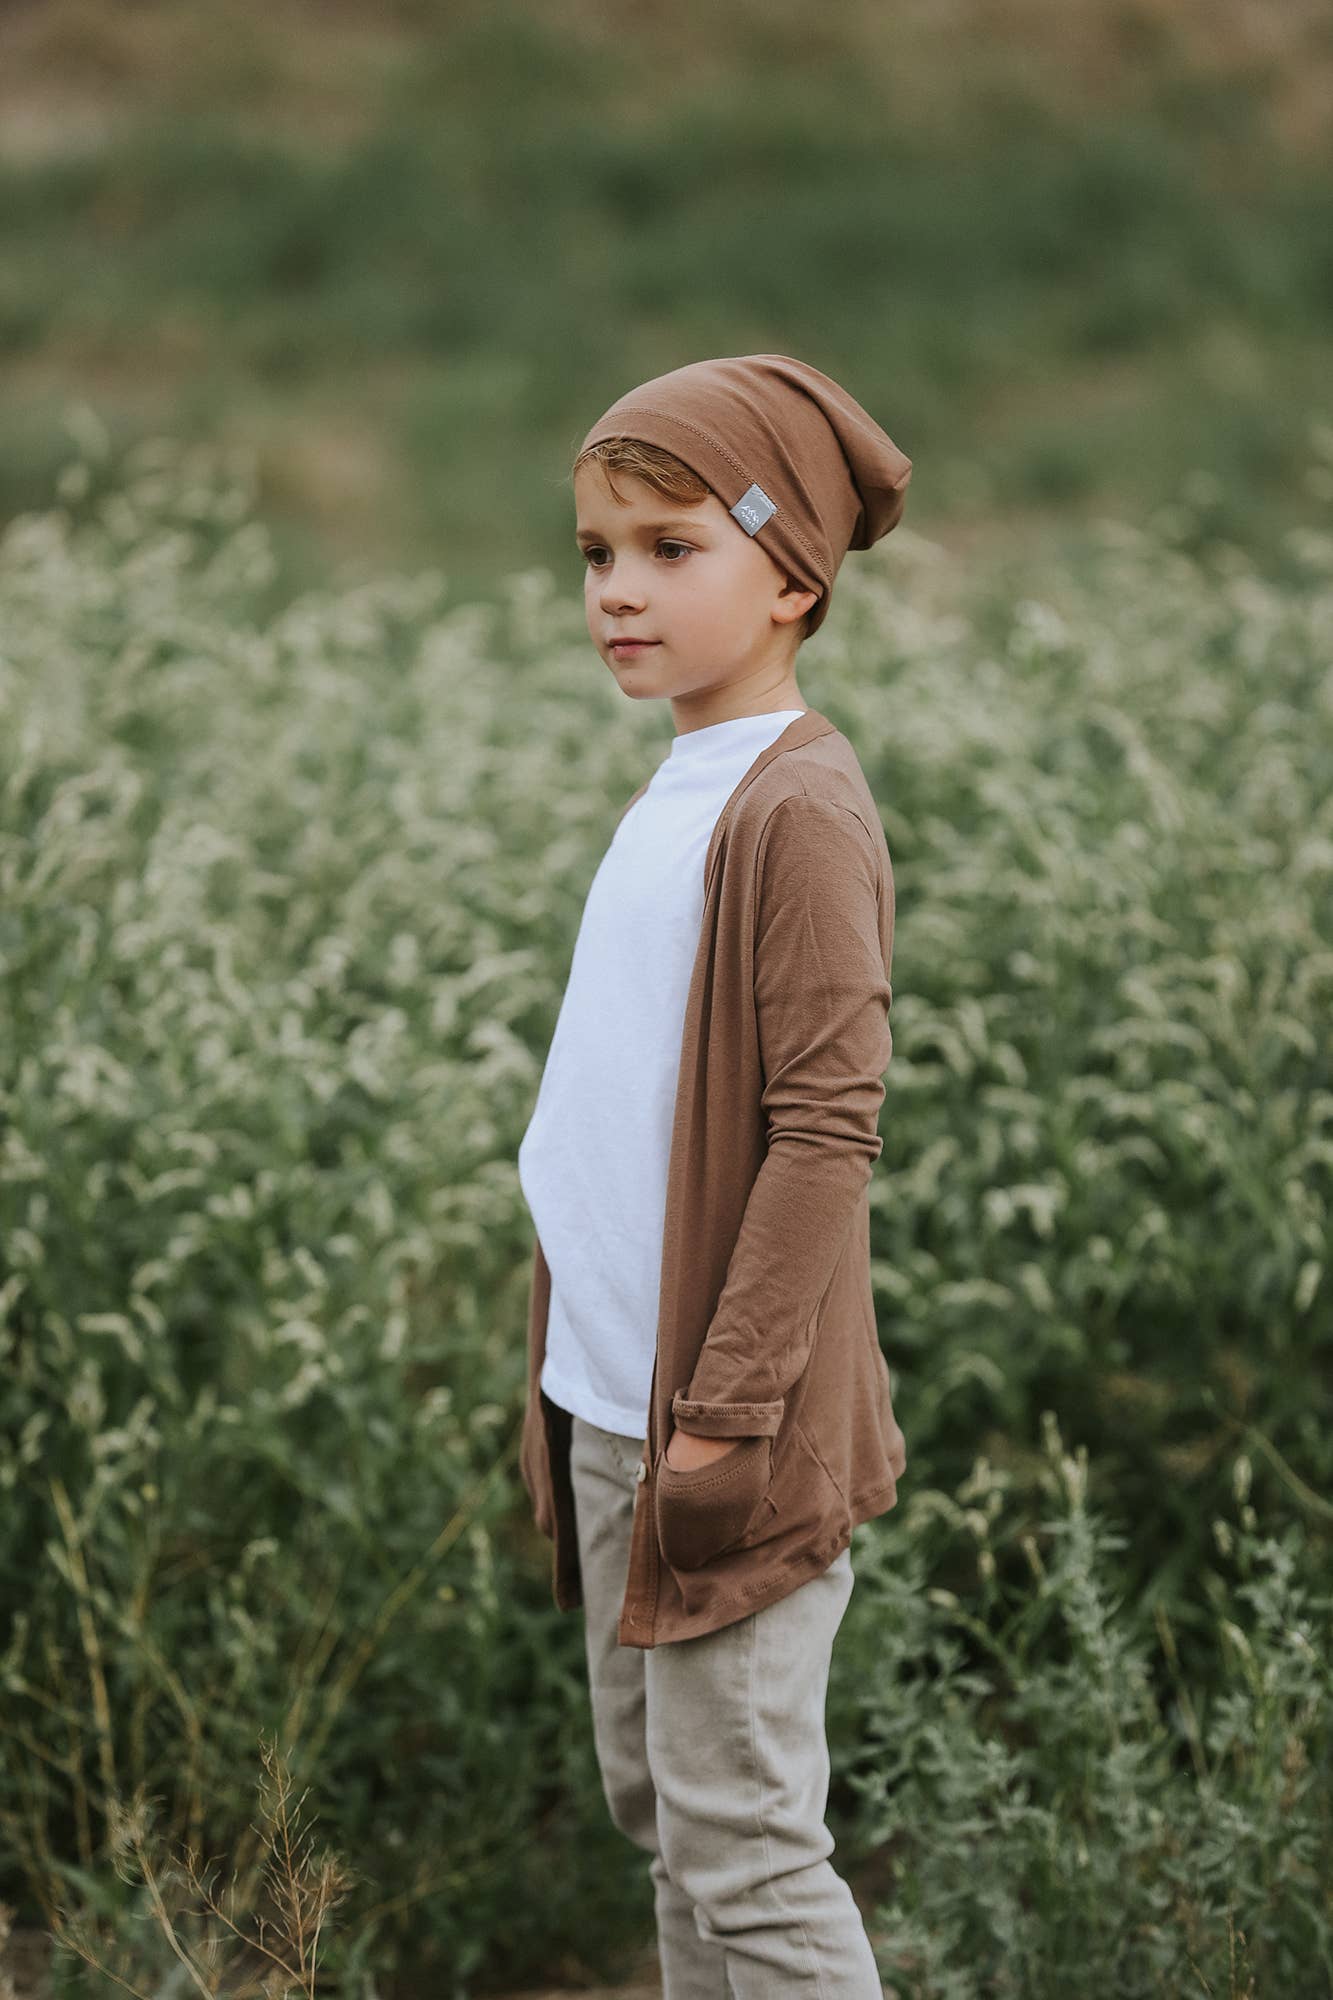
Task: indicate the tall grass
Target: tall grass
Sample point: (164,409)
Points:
(288,887)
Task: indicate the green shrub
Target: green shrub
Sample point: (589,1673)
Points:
(1059,1810)
(287,893)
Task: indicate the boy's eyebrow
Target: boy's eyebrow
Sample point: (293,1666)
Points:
(645,528)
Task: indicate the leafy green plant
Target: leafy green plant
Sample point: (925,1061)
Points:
(1061,1810)
(287,890)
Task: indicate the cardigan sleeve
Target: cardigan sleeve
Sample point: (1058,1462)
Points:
(822,996)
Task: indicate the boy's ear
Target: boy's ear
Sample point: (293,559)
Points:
(794,601)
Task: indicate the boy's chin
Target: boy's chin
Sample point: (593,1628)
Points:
(644,680)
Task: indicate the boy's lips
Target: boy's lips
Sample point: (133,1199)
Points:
(630,645)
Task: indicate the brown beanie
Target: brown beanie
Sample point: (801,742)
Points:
(792,456)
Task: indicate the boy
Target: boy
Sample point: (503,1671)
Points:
(709,1413)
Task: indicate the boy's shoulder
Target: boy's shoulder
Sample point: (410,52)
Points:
(825,769)
(818,765)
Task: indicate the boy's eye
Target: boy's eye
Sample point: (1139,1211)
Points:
(594,551)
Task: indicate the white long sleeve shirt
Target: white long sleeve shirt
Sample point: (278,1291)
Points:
(593,1162)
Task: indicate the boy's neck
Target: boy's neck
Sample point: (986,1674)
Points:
(732,705)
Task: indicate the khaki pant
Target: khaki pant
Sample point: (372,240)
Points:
(714,1760)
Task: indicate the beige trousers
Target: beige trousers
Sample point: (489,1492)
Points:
(714,1760)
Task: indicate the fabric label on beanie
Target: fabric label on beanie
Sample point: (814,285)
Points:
(754,508)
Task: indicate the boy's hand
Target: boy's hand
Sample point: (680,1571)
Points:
(690,1452)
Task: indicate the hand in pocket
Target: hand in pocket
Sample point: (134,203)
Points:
(692,1452)
(706,1510)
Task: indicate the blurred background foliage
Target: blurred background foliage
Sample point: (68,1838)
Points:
(1065,252)
(306,763)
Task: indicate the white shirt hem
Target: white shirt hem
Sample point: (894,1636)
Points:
(583,1403)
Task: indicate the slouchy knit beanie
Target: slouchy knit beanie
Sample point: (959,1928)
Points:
(796,460)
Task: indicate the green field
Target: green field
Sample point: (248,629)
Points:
(306,763)
(1068,255)
(280,979)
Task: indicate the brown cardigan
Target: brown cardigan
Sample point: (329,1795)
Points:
(766,1322)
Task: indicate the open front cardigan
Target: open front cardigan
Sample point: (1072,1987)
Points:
(766,1325)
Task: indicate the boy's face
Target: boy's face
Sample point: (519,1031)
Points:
(719,610)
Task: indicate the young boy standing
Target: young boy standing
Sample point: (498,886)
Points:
(709,1412)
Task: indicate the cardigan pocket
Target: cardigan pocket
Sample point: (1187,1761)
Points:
(710,1509)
